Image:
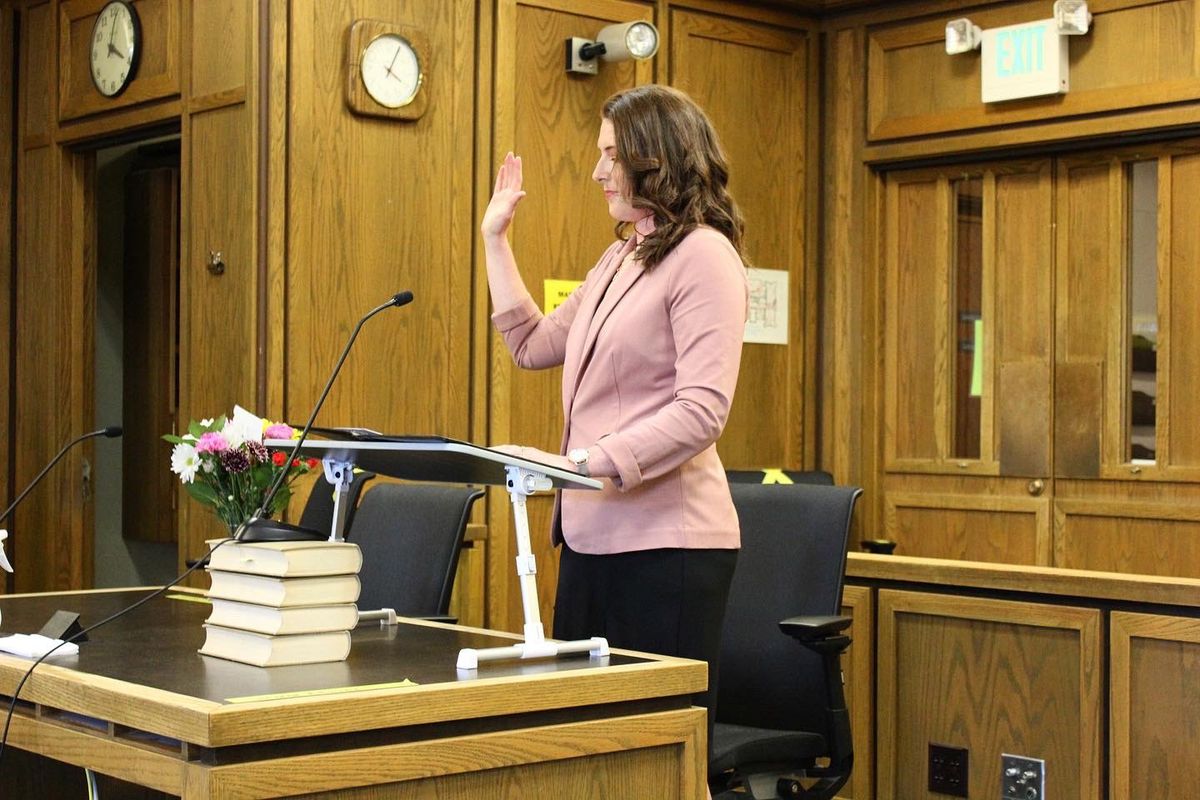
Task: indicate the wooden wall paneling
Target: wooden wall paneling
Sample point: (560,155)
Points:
(999,675)
(271,72)
(220,51)
(551,119)
(1084,261)
(1153,704)
(159,68)
(728,66)
(1150,538)
(915,309)
(916,89)
(997,529)
(1024,259)
(1179,297)
(52,408)
(39,76)
(218,312)
(846,432)
(858,678)
(8,151)
(364,221)
(487,120)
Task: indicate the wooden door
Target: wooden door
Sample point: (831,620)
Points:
(967,304)
(150,343)
(1127,372)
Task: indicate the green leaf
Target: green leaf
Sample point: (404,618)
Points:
(202,492)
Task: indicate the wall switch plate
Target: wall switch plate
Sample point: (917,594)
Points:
(1022,778)
(948,770)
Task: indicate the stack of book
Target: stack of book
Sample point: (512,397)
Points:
(282,603)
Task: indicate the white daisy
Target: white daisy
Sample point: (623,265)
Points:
(184,462)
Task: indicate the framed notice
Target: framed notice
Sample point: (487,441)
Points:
(767,319)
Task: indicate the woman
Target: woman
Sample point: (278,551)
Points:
(650,346)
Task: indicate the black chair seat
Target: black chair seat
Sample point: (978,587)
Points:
(740,745)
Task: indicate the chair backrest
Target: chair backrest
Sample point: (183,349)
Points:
(410,535)
(817,476)
(792,563)
(318,509)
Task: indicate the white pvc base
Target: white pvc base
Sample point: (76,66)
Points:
(469,657)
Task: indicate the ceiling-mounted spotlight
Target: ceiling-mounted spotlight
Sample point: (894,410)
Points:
(1072,17)
(626,40)
(962,36)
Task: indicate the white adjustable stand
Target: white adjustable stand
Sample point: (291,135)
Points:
(340,473)
(521,483)
(438,459)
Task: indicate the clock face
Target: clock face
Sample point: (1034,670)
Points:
(115,48)
(391,71)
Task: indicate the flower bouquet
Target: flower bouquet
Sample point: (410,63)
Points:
(224,464)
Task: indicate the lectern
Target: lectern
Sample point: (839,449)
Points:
(441,460)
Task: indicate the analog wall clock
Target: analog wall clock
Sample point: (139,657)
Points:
(116,47)
(387,70)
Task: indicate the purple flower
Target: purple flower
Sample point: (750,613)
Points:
(212,442)
(257,452)
(235,461)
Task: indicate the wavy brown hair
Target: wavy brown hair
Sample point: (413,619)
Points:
(674,166)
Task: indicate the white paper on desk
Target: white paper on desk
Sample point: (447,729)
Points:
(34,645)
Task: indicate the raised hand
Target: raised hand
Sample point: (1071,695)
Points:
(506,195)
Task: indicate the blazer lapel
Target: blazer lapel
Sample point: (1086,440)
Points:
(595,310)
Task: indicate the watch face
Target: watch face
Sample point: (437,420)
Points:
(115,48)
(391,71)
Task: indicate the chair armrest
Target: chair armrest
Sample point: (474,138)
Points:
(809,629)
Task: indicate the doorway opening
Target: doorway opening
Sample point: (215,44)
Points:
(136,359)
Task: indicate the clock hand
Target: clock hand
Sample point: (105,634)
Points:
(395,55)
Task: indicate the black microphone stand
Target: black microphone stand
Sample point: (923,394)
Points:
(261,529)
(63,623)
(112,431)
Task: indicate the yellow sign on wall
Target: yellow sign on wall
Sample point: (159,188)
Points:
(556,291)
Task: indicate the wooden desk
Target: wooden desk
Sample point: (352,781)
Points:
(138,703)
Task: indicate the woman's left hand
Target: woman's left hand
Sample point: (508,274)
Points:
(540,456)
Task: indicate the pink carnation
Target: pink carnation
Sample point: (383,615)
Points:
(212,442)
(278,431)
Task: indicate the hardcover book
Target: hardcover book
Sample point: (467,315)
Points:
(261,650)
(285,559)
(267,590)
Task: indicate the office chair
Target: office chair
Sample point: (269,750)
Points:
(410,535)
(781,710)
(318,509)
(817,476)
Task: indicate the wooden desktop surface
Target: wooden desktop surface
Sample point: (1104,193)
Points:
(140,703)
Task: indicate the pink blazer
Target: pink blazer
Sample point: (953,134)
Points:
(650,362)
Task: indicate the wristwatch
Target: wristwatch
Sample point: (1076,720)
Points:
(579,457)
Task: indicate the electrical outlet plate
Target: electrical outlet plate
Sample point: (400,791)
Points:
(1022,778)
(948,770)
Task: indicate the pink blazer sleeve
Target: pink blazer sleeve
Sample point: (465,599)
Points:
(538,341)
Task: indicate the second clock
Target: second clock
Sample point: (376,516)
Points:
(386,75)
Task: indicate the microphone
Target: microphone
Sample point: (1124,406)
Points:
(112,431)
(258,529)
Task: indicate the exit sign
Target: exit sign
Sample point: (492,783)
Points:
(1026,60)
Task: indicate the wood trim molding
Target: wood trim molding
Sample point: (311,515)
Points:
(866,567)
